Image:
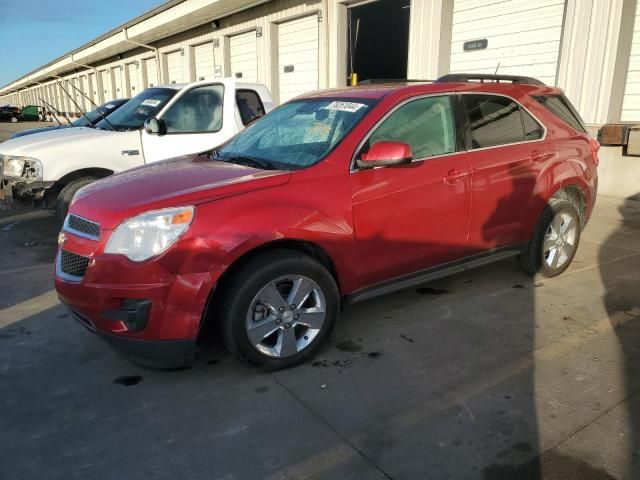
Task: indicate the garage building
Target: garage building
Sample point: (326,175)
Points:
(590,48)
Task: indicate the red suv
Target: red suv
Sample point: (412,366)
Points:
(336,196)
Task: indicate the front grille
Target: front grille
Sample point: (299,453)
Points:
(73,264)
(83,226)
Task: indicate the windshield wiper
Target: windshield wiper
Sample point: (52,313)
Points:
(243,159)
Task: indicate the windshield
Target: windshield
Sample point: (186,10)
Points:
(131,116)
(299,133)
(95,114)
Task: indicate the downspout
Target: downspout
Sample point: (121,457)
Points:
(161,79)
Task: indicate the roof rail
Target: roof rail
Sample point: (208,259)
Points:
(487,77)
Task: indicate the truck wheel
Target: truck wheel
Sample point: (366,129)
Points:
(66,195)
(278,309)
(14,120)
(555,240)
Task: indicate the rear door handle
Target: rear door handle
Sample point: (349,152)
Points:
(453,176)
(538,156)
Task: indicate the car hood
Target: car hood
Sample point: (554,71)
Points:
(31,131)
(187,180)
(33,145)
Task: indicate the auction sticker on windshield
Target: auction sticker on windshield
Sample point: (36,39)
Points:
(351,107)
(150,102)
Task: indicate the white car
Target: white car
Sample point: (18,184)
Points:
(159,123)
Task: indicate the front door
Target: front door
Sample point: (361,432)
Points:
(195,122)
(415,216)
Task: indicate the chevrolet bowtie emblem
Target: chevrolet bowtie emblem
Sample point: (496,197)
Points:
(62,238)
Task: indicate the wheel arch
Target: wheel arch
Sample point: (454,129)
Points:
(312,249)
(52,193)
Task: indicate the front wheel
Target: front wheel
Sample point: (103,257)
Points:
(555,240)
(278,309)
(66,195)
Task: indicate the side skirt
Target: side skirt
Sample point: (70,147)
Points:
(433,273)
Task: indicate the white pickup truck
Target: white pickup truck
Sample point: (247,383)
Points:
(160,122)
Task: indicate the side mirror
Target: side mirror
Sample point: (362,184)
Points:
(154,126)
(384,154)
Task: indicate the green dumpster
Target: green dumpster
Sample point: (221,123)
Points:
(31,113)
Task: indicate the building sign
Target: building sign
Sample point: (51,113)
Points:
(475,45)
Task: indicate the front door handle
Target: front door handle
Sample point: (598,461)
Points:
(454,176)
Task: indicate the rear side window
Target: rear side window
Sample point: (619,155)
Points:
(562,108)
(496,120)
(249,105)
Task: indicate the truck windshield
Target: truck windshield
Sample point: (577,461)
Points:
(131,116)
(299,133)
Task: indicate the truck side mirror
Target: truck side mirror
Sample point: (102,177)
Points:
(154,126)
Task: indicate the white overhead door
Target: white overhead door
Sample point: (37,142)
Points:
(117,82)
(631,101)
(243,56)
(517,37)
(106,86)
(174,67)
(150,72)
(203,60)
(93,88)
(133,83)
(82,85)
(297,57)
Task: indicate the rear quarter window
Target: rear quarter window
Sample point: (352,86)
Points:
(560,106)
(249,105)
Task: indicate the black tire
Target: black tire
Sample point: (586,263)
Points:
(66,195)
(532,259)
(240,290)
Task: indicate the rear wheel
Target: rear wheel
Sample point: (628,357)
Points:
(66,195)
(278,309)
(555,240)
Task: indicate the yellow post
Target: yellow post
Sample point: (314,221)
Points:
(354,79)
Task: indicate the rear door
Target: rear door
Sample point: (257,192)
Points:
(411,217)
(199,119)
(507,153)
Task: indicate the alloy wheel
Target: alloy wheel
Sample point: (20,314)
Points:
(560,241)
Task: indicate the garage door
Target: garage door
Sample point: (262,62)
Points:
(243,56)
(174,67)
(297,57)
(117,82)
(519,37)
(93,88)
(203,60)
(151,72)
(106,86)
(631,101)
(132,79)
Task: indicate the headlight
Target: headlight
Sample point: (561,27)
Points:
(149,234)
(21,167)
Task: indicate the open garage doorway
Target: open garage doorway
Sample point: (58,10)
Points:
(378,40)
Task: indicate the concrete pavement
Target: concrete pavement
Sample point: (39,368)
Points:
(487,375)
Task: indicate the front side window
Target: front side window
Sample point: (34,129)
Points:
(496,120)
(197,111)
(299,133)
(132,115)
(249,105)
(426,124)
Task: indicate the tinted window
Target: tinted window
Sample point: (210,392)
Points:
(532,129)
(426,124)
(197,111)
(249,105)
(493,120)
(560,107)
(132,114)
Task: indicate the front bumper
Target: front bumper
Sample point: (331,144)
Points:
(163,332)
(150,353)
